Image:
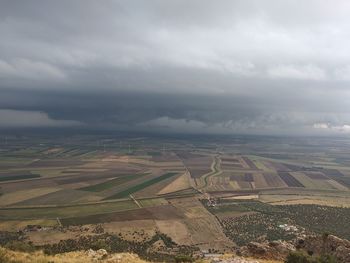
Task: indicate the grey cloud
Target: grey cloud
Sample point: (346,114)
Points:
(190,66)
(16,118)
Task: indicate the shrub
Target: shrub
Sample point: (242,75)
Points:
(298,257)
(20,246)
(183,259)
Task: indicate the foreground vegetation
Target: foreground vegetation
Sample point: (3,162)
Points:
(299,257)
(147,249)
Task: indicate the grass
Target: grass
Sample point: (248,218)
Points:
(140,186)
(110,183)
(152,202)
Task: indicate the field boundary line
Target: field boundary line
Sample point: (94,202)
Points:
(135,201)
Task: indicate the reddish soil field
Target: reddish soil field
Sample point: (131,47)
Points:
(273,180)
(187,155)
(55,163)
(196,173)
(237,177)
(228,166)
(316,175)
(250,163)
(279,167)
(337,176)
(290,180)
(248,177)
(230,160)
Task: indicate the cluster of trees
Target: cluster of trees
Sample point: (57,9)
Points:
(247,228)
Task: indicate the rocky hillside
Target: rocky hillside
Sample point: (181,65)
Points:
(311,248)
(101,256)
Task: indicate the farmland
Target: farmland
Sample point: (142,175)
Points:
(252,184)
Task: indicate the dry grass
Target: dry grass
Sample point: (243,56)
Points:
(178,184)
(18,196)
(299,199)
(9,256)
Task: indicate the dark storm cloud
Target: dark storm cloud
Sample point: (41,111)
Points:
(191,66)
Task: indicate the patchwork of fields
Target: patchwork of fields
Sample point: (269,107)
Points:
(106,180)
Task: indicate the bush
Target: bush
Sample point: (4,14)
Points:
(298,257)
(20,246)
(100,244)
(183,259)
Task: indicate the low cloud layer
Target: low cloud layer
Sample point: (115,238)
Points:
(30,119)
(182,66)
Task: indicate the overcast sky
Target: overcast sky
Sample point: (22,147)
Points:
(248,67)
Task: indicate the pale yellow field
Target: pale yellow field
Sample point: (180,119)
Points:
(202,227)
(243,197)
(338,185)
(305,199)
(180,183)
(18,196)
(176,229)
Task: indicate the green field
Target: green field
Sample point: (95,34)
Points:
(64,211)
(152,202)
(141,186)
(111,183)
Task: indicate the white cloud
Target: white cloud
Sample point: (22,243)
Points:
(301,72)
(342,73)
(19,118)
(320,126)
(345,128)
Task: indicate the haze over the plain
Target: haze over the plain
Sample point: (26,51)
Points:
(251,67)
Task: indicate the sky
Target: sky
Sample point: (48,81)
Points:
(184,66)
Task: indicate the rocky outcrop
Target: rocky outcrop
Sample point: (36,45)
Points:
(103,256)
(277,250)
(313,245)
(326,244)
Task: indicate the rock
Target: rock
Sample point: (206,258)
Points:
(267,250)
(257,248)
(97,255)
(102,253)
(326,244)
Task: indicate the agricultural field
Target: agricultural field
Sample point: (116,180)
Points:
(186,187)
